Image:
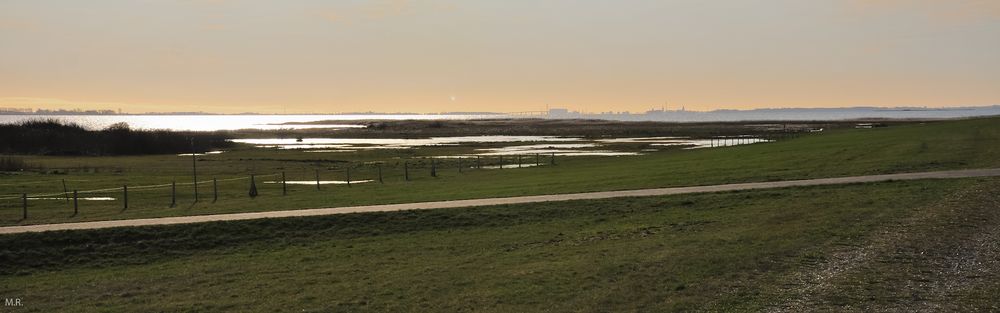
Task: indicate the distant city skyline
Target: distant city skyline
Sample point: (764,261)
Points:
(425,56)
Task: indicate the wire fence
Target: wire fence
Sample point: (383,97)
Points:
(116,193)
(131,188)
(346,173)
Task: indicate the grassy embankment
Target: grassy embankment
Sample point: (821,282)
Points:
(908,148)
(726,251)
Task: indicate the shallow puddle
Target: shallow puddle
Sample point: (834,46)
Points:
(206,153)
(557,152)
(78,198)
(391,143)
(511,166)
(322,182)
(543,145)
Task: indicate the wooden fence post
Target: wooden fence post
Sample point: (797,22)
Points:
(380,174)
(536,160)
(65,192)
(433,168)
(478,165)
(215,190)
(348,176)
(518,161)
(284,187)
(406,171)
(24,206)
(553,159)
(125,196)
(501,161)
(194,169)
(317,179)
(253,186)
(76,208)
(459,164)
(173,193)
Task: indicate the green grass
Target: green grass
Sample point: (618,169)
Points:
(907,148)
(672,253)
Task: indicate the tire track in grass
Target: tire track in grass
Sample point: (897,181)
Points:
(924,263)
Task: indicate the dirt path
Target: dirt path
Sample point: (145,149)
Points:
(498,201)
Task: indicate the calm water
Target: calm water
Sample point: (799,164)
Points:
(545,145)
(223,122)
(322,182)
(78,198)
(231,122)
(559,149)
(391,143)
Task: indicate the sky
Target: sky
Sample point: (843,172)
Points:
(230,56)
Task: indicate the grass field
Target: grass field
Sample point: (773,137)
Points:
(843,152)
(733,251)
(928,245)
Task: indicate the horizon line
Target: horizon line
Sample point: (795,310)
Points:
(79,111)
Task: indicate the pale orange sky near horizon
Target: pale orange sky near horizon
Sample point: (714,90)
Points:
(231,56)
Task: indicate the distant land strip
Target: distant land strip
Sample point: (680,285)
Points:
(499,201)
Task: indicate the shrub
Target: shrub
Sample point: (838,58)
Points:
(10,164)
(54,137)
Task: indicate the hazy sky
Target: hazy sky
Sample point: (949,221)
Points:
(509,55)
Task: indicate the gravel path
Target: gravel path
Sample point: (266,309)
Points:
(499,201)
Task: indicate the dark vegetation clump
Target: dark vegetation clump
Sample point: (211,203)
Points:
(376,125)
(54,137)
(11,164)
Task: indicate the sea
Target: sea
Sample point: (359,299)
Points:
(190,122)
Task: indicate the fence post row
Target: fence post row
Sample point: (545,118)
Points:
(284,187)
